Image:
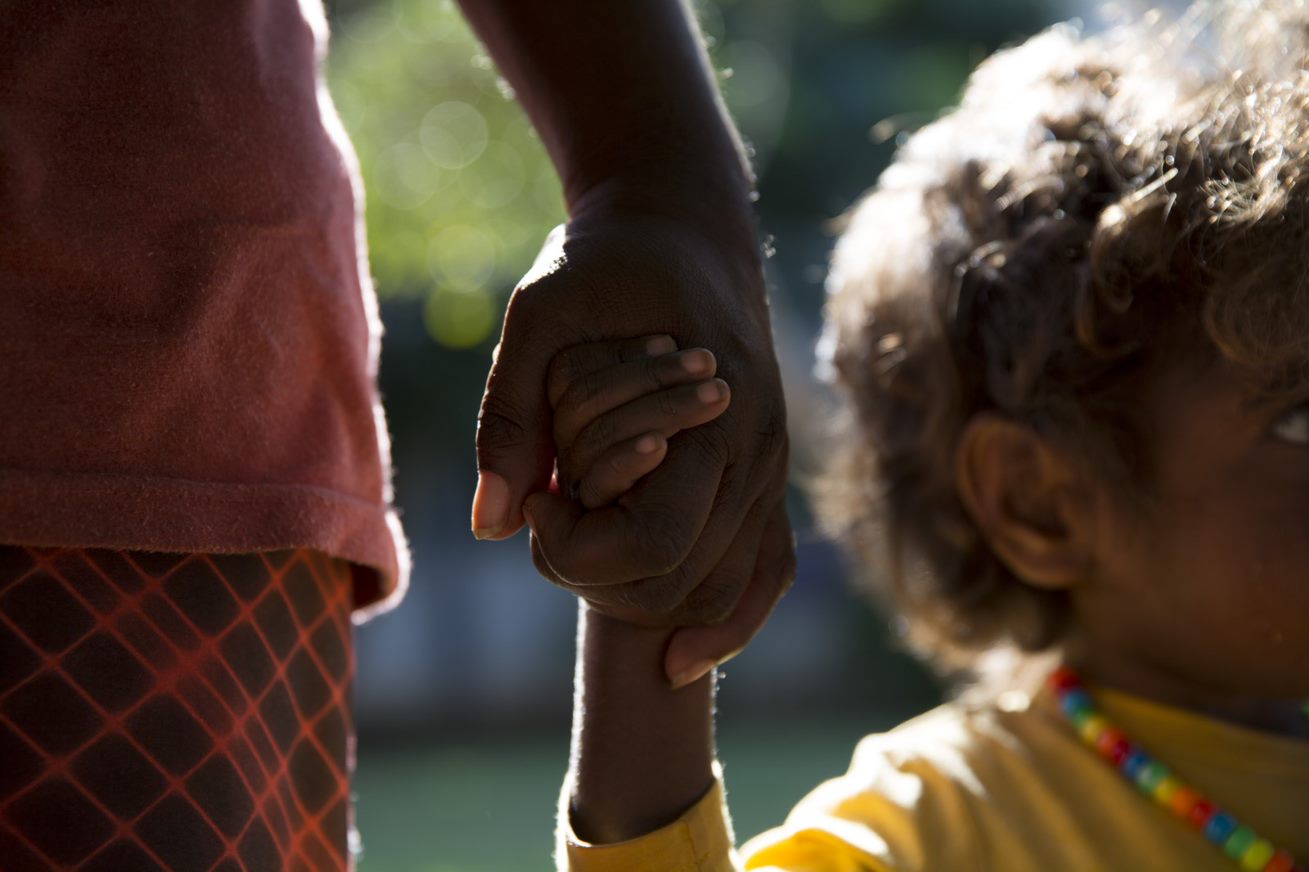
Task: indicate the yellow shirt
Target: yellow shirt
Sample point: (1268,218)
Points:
(1003,788)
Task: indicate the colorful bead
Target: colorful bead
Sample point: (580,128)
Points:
(1150,776)
(1093,728)
(1200,814)
(1165,790)
(1112,744)
(1220,826)
(1256,857)
(1135,761)
(1064,678)
(1184,801)
(1153,778)
(1075,701)
(1241,838)
(1280,862)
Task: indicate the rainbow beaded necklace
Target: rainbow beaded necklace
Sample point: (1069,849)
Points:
(1242,844)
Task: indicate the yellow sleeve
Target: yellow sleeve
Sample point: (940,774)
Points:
(699,841)
(892,812)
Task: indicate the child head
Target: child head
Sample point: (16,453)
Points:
(1072,326)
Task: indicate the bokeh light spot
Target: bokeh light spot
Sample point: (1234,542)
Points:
(404,176)
(500,177)
(461,257)
(459,319)
(453,134)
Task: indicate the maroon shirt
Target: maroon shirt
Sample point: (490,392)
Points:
(188,331)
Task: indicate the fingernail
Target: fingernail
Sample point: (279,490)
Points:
(490,505)
(647,444)
(697,362)
(709,392)
(660,345)
(693,674)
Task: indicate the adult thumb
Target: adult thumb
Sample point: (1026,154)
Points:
(515,445)
(515,451)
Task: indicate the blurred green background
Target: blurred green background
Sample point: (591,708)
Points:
(463,694)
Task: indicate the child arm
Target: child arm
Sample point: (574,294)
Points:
(642,751)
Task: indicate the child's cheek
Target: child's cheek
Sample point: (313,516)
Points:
(1255,555)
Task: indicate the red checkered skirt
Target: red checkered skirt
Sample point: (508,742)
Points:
(174,711)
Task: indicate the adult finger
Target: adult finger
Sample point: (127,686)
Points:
(693,651)
(715,596)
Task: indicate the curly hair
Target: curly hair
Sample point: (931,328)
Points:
(1095,206)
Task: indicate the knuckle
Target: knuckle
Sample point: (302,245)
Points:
(616,465)
(499,425)
(655,373)
(655,597)
(558,377)
(594,439)
(591,493)
(712,602)
(770,435)
(662,542)
(667,403)
(711,442)
(585,390)
(524,313)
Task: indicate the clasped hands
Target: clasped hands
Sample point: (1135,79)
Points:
(651,470)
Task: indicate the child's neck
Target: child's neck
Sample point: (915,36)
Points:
(1113,669)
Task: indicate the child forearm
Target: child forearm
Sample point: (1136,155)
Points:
(642,752)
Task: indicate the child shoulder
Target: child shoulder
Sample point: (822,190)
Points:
(928,794)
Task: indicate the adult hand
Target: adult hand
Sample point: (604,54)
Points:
(681,551)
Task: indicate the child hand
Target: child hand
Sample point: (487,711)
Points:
(617,403)
(611,399)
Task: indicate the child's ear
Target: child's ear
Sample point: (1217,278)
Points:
(1031,504)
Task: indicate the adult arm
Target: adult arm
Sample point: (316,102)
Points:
(660,239)
(623,98)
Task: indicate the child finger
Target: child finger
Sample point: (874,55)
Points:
(651,528)
(619,468)
(592,395)
(581,360)
(665,412)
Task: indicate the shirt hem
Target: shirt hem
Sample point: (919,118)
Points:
(132,513)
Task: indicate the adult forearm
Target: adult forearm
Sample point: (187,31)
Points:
(642,752)
(616,90)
